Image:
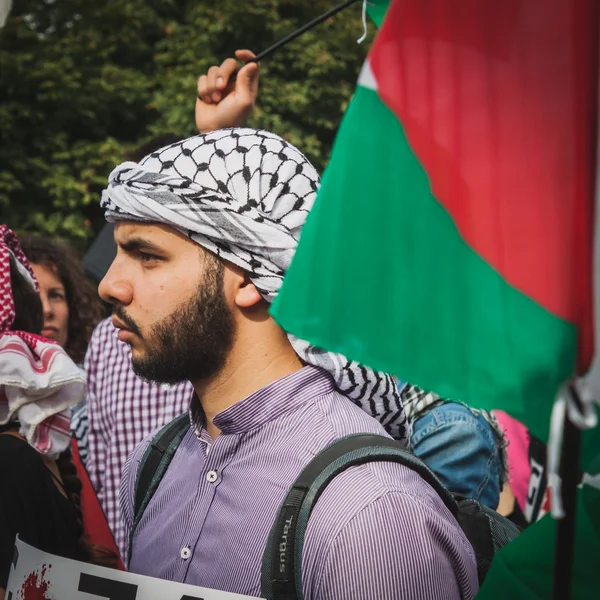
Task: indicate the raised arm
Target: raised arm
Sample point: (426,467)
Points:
(223,103)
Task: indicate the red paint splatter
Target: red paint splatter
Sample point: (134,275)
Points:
(35,586)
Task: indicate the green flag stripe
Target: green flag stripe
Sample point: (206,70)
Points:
(375,211)
(377,10)
(524,569)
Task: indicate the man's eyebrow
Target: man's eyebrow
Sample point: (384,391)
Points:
(134,244)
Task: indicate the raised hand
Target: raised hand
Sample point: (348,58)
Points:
(222,103)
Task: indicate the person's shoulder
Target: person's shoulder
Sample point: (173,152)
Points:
(104,348)
(130,473)
(13,447)
(368,482)
(384,513)
(16,458)
(419,508)
(135,458)
(103,331)
(401,496)
(139,451)
(395,541)
(345,417)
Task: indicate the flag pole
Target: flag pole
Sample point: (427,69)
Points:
(565,531)
(292,36)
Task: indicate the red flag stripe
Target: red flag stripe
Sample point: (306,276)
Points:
(498,101)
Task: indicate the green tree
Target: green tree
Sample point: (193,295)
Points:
(82,83)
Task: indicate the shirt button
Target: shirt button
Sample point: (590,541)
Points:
(185,553)
(211,476)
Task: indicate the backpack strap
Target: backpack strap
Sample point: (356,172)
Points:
(282,561)
(153,466)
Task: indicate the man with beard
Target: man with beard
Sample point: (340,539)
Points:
(205,230)
(122,408)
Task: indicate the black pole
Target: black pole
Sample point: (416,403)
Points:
(565,530)
(301,30)
(292,36)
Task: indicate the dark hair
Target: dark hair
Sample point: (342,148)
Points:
(156,143)
(85,309)
(90,553)
(29,314)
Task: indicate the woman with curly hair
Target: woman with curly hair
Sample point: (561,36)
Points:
(71,306)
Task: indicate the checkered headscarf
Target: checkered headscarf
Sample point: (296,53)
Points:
(38,380)
(245,195)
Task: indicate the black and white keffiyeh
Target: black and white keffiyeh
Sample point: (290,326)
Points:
(245,195)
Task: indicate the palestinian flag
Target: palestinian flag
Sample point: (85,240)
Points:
(377,9)
(451,241)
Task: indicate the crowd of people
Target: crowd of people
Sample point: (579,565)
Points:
(205,229)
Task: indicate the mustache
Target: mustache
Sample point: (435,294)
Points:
(119,311)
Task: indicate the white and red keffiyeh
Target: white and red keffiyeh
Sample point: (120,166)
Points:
(38,380)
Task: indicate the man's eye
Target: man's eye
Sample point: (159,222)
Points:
(145,257)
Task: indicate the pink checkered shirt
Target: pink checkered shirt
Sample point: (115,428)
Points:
(122,410)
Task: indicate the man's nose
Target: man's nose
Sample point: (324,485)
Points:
(114,288)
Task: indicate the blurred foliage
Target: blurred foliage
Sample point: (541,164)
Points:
(82,83)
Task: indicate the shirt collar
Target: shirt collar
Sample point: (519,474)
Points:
(266,404)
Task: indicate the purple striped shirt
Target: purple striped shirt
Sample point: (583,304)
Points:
(122,410)
(378,531)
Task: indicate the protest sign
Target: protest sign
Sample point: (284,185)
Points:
(37,575)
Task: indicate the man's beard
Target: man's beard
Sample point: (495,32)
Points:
(194,341)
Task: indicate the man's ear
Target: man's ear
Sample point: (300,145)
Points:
(239,287)
(247,295)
